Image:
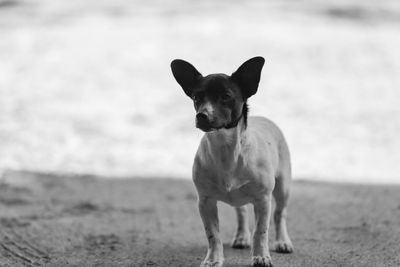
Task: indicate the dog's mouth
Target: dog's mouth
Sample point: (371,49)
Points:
(205,126)
(206,130)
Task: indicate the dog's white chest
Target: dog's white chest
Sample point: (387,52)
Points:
(231,191)
(230,182)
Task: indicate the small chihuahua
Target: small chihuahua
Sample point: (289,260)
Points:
(240,160)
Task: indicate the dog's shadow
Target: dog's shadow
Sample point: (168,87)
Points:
(193,255)
(236,257)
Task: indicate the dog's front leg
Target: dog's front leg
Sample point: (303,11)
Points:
(209,215)
(262,211)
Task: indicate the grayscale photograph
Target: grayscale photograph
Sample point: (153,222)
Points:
(207,133)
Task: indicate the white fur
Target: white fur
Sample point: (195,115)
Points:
(241,166)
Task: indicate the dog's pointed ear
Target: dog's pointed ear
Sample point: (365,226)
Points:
(248,75)
(186,75)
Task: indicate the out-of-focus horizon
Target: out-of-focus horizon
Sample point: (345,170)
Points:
(85,86)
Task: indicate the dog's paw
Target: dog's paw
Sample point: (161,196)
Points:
(208,263)
(241,242)
(283,247)
(262,261)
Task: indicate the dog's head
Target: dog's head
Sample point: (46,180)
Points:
(219,99)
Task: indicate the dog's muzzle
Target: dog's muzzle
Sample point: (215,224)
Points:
(203,121)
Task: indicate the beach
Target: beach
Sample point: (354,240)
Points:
(82,220)
(97,139)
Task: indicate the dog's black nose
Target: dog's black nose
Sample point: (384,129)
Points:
(203,121)
(202,117)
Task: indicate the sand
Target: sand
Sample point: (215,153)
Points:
(82,220)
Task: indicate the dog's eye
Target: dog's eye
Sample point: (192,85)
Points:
(197,96)
(226,97)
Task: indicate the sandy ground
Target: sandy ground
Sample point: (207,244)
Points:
(85,86)
(67,220)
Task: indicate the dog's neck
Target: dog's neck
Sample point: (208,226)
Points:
(225,145)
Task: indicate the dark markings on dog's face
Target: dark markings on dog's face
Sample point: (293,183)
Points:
(219,99)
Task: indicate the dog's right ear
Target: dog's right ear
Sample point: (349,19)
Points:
(186,75)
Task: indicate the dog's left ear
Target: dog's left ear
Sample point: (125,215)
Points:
(248,76)
(186,75)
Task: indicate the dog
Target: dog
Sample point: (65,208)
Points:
(240,160)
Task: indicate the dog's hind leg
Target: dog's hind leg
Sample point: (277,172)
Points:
(283,244)
(241,239)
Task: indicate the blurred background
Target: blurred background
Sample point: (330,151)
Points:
(86,87)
